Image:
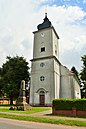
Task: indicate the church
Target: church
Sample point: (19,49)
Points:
(49,78)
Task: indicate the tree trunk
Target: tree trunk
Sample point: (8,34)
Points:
(11,101)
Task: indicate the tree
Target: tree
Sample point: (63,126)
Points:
(83,76)
(1,84)
(73,69)
(12,72)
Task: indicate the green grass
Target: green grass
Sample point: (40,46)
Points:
(34,110)
(38,119)
(45,120)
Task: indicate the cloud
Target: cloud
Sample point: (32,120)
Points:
(84,1)
(69,23)
(16,26)
(66,0)
(20,18)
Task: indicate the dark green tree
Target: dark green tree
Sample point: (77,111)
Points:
(83,76)
(73,69)
(12,72)
(1,84)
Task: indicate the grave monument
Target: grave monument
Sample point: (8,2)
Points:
(21,102)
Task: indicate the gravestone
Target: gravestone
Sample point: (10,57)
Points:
(21,102)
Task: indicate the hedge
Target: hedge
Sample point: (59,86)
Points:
(68,104)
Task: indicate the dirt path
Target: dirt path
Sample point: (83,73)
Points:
(46,114)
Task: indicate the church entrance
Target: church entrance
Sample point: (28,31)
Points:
(42,98)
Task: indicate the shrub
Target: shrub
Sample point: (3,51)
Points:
(68,104)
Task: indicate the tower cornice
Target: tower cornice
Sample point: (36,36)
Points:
(47,29)
(48,57)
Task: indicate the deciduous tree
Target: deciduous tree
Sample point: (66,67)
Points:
(83,75)
(12,72)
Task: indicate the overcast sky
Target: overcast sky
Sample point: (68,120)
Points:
(19,18)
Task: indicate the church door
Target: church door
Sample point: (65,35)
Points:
(42,98)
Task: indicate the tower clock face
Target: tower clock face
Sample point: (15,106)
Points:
(42,34)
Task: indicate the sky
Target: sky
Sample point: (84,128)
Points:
(19,19)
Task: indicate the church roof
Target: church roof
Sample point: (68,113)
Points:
(46,23)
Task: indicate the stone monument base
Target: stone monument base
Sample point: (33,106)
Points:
(22,105)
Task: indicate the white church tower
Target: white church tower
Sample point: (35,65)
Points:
(45,67)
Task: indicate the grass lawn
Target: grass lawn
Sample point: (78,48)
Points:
(34,110)
(45,120)
(39,119)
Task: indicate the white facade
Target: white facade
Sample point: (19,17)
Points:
(69,87)
(49,79)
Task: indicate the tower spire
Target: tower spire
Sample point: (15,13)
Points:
(46,23)
(46,18)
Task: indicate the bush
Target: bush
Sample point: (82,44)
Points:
(68,104)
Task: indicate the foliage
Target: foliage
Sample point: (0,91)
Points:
(12,72)
(83,75)
(68,104)
(73,69)
(1,84)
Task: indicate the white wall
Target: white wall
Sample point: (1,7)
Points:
(70,87)
(77,92)
(65,90)
(40,42)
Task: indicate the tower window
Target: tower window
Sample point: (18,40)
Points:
(55,49)
(42,49)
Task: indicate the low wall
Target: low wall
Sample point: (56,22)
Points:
(4,101)
(72,112)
